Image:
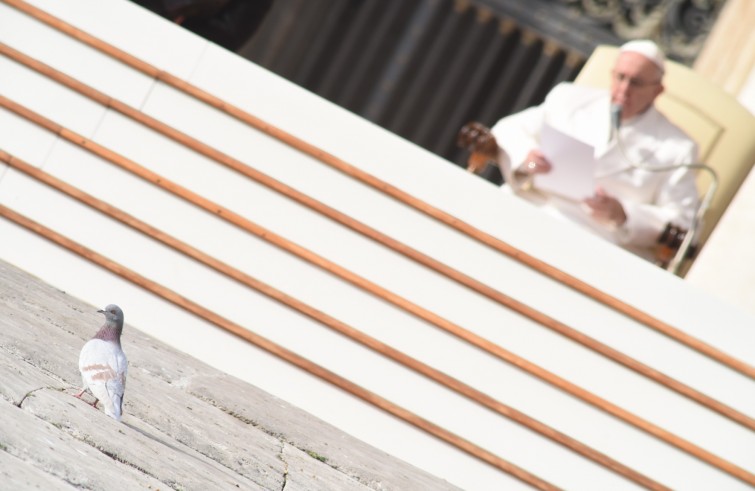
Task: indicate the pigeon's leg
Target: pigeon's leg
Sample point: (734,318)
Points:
(80,394)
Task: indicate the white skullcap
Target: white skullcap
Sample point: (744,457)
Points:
(646,48)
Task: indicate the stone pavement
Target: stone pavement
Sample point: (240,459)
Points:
(185,426)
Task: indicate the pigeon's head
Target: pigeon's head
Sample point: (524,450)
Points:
(113,316)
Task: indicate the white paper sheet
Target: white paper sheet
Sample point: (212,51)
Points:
(573,165)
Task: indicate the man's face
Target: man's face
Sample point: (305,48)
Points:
(635,83)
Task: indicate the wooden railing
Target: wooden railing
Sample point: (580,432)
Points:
(340,217)
(269,346)
(321,317)
(349,331)
(301,252)
(350,170)
(422,68)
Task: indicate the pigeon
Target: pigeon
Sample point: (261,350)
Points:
(103,364)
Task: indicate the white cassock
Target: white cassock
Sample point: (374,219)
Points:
(651,200)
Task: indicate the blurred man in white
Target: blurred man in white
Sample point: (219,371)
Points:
(631,205)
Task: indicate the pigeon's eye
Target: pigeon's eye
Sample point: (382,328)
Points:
(112,311)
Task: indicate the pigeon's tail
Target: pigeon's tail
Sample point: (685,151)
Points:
(113,404)
(114,410)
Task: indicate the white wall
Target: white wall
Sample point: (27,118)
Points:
(726,266)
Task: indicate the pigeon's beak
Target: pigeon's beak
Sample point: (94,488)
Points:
(100,311)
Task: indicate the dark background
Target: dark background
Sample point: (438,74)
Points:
(423,68)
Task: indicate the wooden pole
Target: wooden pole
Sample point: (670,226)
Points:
(277,350)
(396,193)
(334,324)
(227,215)
(424,314)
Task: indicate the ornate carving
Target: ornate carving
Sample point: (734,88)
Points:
(678,26)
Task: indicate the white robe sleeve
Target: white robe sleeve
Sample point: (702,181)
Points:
(676,200)
(517,134)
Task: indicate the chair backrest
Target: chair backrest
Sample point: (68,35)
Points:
(723,129)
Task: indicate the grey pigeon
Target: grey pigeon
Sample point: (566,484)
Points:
(103,364)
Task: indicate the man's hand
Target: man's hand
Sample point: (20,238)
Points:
(534,163)
(481,144)
(605,209)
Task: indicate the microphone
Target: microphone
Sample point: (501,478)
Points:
(616,117)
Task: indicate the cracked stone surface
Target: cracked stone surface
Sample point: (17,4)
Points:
(207,430)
